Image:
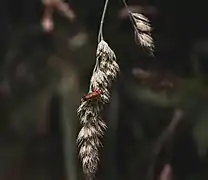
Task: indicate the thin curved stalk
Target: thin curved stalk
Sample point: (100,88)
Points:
(129,13)
(100,34)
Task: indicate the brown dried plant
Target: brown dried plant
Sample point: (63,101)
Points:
(142,30)
(104,73)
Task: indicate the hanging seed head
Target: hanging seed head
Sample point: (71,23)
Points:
(89,136)
(142,29)
(106,70)
(142,22)
(145,40)
(93,126)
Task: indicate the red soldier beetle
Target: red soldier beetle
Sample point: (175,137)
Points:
(92,95)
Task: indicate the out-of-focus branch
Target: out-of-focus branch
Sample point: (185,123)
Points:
(156,80)
(66,11)
(165,137)
(166,173)
(70,94)
(168,133)
(47,20)
(50,7)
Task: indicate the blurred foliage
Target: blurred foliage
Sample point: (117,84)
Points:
(44,75)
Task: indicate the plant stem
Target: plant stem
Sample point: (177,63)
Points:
(130,14)
(100,35)
(125,4)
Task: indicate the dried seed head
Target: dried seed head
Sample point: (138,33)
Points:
(140,17)
(145,40)
(142,29)
(105,71)
(104,49)
(142,23)
(89,136)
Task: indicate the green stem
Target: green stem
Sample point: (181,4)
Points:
(100,35)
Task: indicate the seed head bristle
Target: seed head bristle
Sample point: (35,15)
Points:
(142,29)
(93,127)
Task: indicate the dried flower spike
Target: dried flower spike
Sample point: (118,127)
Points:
(106,67)
(105,71)
(145,40)
(142,22)
(142,30)
(93,126)
(88,137)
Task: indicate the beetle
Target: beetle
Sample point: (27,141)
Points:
(92,95)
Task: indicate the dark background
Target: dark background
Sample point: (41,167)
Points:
(44,75)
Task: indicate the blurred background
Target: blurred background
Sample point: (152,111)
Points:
(158,115)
